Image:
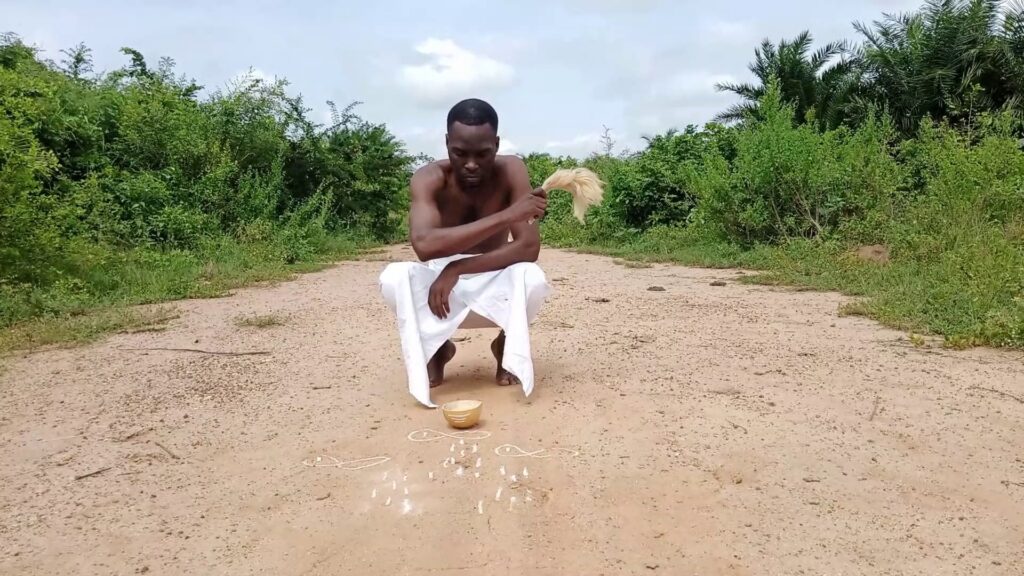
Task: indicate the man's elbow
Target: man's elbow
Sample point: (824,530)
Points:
(424,250)
(531,250)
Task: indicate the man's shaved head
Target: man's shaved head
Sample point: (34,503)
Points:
(473,112)
(472,142)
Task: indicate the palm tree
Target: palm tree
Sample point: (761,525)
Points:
(817,87)
(951,59)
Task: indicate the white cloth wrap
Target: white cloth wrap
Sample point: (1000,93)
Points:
(510,298)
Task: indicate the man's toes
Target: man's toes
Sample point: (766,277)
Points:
(506,379)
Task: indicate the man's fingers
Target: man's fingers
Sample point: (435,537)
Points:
(439,304)
(540,192)
(435,307)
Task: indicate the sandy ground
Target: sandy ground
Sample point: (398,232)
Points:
(696,430)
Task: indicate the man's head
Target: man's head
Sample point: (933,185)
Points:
(472,141)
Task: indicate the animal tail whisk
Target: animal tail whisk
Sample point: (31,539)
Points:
(585,186)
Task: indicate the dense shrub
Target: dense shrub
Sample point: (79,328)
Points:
(92,166)
(790,180)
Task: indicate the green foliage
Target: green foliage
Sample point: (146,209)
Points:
(818,88)
(795,201)
(791,180)
(952,59)
(656,187)
(965,228)
(129,187)
(123,187)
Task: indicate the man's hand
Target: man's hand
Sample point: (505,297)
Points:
(530,207)
(440,290)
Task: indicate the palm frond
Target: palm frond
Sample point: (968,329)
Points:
(737,113)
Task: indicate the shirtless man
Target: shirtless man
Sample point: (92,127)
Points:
(469,204)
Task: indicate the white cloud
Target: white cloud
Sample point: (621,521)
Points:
(577,141)
(452,73)
(689,86)
(578,146)
(507,146)
(423,139)
(678,99)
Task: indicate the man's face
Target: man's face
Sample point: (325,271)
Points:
(472,150)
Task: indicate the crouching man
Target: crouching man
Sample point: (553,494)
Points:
(463,211)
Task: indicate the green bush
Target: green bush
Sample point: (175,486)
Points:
(790,180)
(656,187)
(963,231)
(794,201)
(123,187)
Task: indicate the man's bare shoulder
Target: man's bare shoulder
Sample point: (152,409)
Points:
(430,178)
(435,169)
(511,168)
(510,162)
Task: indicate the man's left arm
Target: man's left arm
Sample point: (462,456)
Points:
(524,247)
(525,244)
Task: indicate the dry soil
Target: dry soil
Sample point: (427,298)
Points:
(697,429)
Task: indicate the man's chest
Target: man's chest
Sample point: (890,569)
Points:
(457,209)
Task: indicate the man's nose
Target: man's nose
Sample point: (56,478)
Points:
(471,166)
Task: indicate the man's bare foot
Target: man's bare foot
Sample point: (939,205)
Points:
(435,368)
(502,377)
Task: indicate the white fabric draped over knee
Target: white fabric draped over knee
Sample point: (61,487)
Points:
(510,298)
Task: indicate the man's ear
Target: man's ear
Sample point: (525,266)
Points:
(497,144)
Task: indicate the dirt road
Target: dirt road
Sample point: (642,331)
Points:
(696,429)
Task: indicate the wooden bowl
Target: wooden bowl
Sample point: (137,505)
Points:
(462,413)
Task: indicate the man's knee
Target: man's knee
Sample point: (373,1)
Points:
(395,272)
(534,278)
(532,273)
(394,275)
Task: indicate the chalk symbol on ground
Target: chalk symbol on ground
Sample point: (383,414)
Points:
(428,435)
(517,452)
(332,462)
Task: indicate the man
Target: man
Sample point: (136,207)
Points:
(463,211)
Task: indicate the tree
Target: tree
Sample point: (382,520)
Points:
(952,59)
(607,142)
(818,88)
(77,62)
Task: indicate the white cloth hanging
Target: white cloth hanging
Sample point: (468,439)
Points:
(509,298)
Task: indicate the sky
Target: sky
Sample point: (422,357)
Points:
(557,71)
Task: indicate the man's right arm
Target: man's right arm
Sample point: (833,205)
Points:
(429,239)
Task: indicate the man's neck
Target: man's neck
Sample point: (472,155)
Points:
(477,194)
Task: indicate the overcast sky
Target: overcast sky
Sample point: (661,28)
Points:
(556,70)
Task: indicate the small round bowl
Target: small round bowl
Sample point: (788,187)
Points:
(462,413)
